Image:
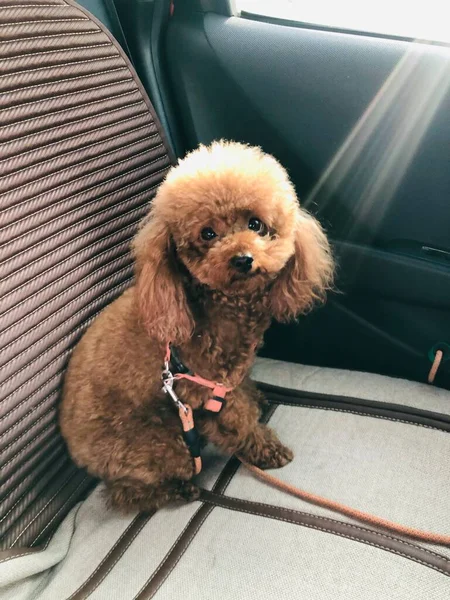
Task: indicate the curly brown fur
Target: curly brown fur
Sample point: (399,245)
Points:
(115,418)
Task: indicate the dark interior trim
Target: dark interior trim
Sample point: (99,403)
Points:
(370,408)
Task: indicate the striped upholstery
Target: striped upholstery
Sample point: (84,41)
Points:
(80,158)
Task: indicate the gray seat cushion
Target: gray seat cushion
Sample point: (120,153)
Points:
(381,445)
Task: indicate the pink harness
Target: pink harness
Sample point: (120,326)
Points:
(213,404)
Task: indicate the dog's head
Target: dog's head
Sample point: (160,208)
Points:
(228,213)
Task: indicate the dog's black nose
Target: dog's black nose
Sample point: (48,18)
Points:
(242,263)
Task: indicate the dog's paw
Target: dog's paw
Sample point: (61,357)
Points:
(273,456)
(187,491)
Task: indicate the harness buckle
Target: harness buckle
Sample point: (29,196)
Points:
(168,379)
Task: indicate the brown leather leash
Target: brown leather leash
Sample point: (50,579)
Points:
(412,532)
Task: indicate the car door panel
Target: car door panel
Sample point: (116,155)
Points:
(361,123)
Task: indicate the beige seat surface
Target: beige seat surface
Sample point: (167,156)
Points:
(247,540)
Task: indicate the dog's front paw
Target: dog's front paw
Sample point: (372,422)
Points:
(273,456)
(187,491)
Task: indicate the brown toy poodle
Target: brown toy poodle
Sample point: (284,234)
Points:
(224,249)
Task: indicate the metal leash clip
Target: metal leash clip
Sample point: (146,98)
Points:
(167,388)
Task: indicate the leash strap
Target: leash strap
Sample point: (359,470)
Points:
(418,534)
(191,435)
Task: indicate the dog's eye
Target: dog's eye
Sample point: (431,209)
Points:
(208,234)
(256,225)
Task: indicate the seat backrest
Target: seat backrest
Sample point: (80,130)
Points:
(81,155)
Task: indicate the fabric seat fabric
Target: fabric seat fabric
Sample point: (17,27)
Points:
(81,156)
(246,539)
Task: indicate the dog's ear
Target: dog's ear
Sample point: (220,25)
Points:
(307,275)
(161,299)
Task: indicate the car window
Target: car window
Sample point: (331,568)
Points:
(421,20)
